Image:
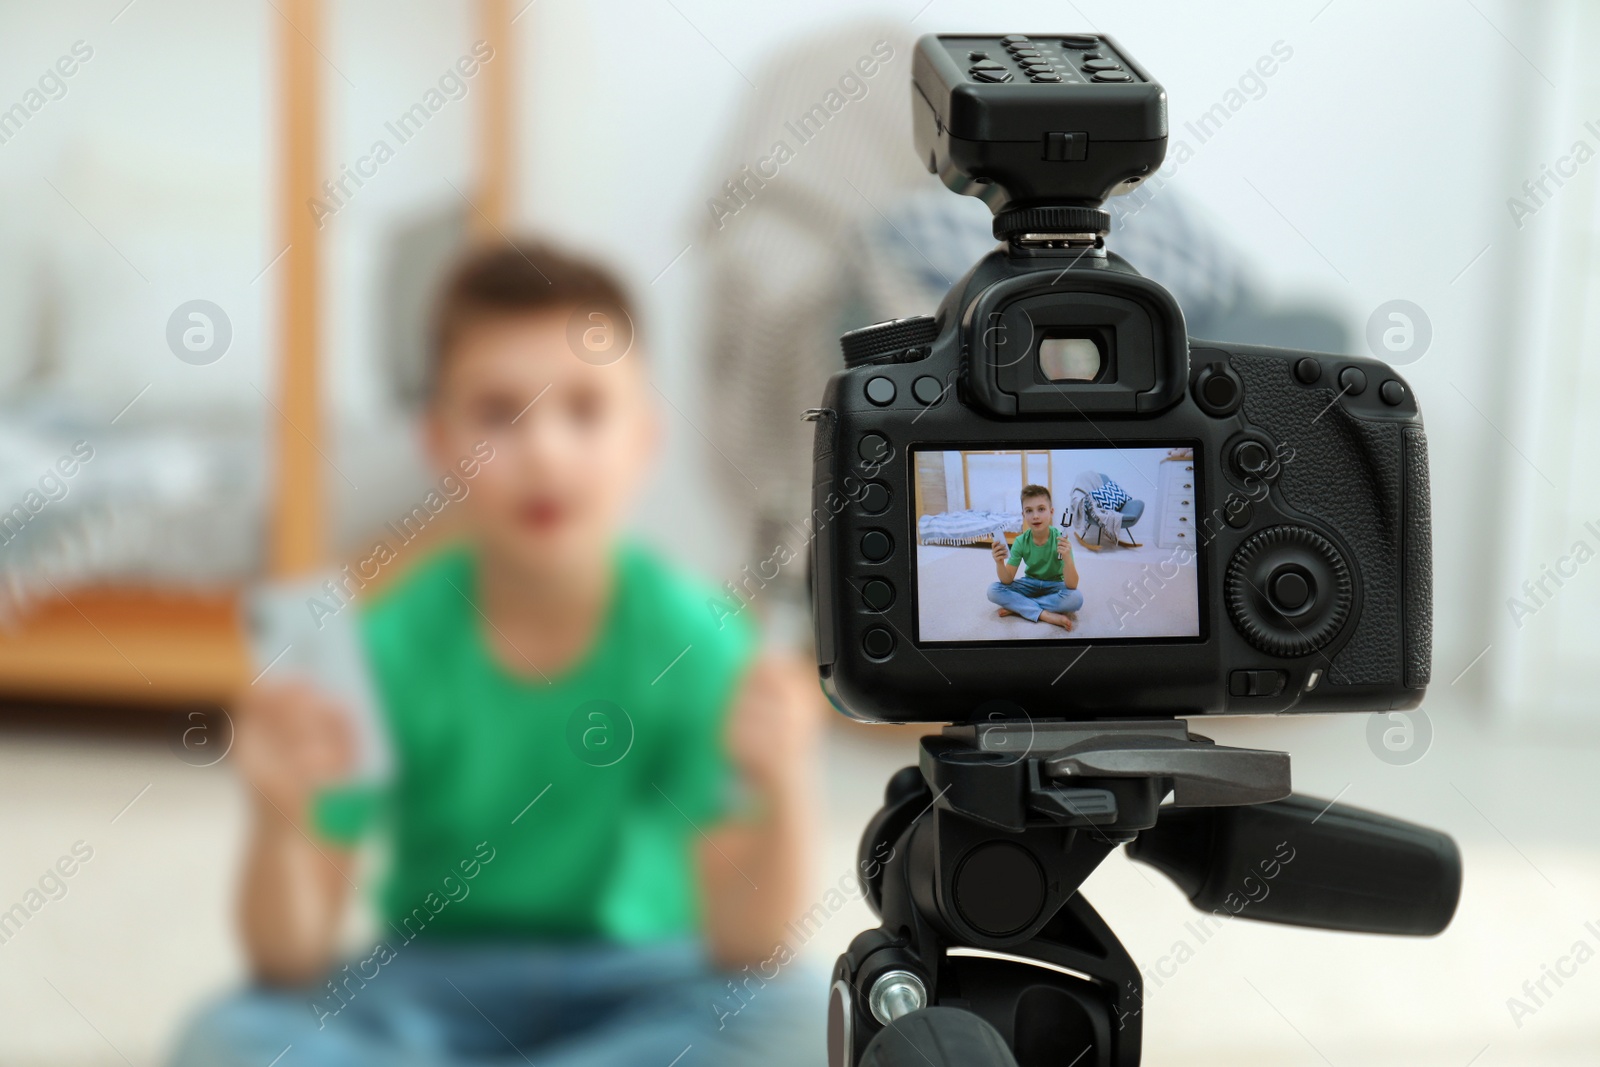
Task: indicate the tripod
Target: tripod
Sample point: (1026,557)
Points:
(989,955)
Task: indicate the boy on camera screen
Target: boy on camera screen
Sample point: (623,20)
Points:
(1048,592)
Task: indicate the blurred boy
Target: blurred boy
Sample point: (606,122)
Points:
(601,803)
(1049,591)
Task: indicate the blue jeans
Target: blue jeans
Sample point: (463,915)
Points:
(476,1005)
(1029,596)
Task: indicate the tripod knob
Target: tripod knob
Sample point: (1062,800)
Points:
(906,783)
(938,1037)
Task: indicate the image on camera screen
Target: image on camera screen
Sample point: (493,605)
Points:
(1051,544)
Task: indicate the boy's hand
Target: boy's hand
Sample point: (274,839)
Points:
(289,741)
(1000,552)
(1063,546)
(775,722)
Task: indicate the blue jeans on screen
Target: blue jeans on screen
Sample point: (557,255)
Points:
(1029,596)
(556,1006)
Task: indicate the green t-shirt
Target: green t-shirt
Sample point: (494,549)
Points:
(586,794)
(1042,561)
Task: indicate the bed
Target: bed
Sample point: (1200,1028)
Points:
(967,527)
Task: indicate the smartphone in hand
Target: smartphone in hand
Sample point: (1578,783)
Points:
(307,630)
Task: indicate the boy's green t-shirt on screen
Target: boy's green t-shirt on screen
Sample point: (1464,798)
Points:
(1042,560)
(588,792)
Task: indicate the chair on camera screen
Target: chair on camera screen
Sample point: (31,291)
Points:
(1100,510)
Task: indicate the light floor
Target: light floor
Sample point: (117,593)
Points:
(102,975)
(952,605)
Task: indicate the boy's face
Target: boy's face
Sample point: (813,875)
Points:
(1036,512)
(571,439)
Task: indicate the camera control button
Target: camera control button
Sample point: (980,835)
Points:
(880,391)
(1256,683)
(874,448)
(1014,38)
(1353,381)
(1250,457)
(1218,390)
(927,389)
(1393,393)
(1307,370)
(1258,591)
(1237,512)
(877,594)
(991,75)
(894,341)
(1101,64)
(1080,40)
(876,546)
(877,642)
(1044,76)
(986,63)
(875,498)
(1289,590)
(1112,76)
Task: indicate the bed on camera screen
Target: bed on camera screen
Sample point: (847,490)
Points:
(1056,544)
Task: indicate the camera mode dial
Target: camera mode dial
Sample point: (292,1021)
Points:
(894,341)
(1288,591)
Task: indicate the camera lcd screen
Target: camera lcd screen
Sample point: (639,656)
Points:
(1056,544)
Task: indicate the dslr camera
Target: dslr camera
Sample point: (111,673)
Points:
(1050,519)
(1248,527)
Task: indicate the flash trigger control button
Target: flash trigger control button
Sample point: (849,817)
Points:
(1353,381)
(1307,371)
(1393,393)
(877,642)
(880,391)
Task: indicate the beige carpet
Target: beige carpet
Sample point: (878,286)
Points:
(101,977)
(952,605)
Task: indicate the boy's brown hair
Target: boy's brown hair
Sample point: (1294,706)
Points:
(1035,490)
(519,278)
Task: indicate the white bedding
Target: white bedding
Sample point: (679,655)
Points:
(966,527)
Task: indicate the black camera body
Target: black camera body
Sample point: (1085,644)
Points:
(1282,495)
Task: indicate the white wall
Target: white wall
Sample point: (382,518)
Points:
(1375,165)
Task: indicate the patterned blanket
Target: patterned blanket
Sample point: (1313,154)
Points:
(966,527)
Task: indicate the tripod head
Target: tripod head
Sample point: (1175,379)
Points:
(990,837)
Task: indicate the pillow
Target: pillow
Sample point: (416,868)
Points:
(1110,496)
